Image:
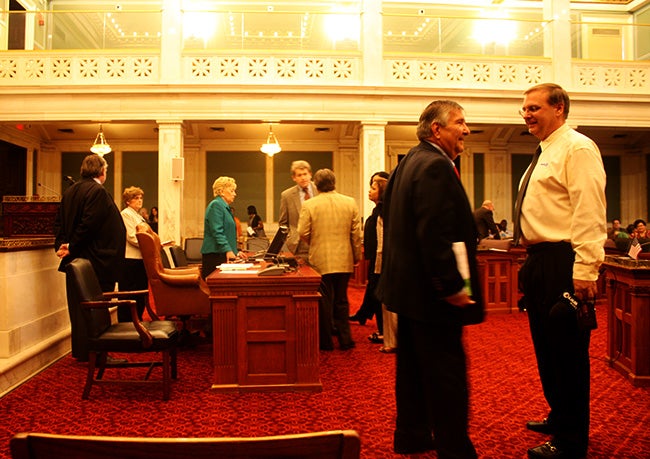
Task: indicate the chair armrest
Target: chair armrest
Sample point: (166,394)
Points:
(128,294)
(182,270)
(145,336)
(183,280)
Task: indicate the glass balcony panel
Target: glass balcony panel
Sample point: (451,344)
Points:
(610,41)
(305,31)
(97,30)
(422,34)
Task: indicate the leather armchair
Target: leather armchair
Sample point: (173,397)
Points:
(126,337)
(176,292)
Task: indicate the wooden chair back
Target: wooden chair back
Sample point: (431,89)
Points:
(337,444)
(176,292)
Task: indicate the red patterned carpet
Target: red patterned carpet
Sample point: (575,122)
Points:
(357,394)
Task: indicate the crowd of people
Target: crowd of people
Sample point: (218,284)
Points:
(621,239)
(421,242)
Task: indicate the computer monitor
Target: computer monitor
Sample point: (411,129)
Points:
(275,247)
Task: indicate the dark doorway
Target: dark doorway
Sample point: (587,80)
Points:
(16,25)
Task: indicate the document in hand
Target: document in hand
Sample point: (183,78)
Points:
(462,263)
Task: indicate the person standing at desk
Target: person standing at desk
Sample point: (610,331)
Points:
(560,218)
(291,201)
(484,217)
(330,224)
(219,228)
(427,221)
(89,225)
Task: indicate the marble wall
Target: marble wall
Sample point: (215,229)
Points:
(34,322)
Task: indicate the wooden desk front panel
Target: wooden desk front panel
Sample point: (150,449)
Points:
(628,334)
(265,332)
(499,277)
(269,331)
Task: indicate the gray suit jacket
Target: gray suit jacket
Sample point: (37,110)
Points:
(290,205)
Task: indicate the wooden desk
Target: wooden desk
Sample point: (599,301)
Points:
(628,317)
(499,277)
(265,331)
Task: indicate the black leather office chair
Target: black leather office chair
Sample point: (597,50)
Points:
(178,256)
(125,337)
(192,246)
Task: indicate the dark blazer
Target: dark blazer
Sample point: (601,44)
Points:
(425,210)
(90,222)
(370,239)
(485,225)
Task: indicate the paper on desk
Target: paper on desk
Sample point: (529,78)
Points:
(462,263)
(235,266)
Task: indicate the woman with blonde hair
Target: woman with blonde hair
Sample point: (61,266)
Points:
(219,228)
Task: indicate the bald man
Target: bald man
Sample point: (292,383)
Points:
(484,217)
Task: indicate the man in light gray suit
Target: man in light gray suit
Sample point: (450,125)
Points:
(291,201)
(331,225)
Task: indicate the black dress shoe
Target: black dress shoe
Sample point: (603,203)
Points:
(356,318)
(550,450)
(347,346)
(542,426)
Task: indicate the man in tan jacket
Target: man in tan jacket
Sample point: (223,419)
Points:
(330,224)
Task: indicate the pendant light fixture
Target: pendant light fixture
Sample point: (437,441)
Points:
(272,146)
(100,147)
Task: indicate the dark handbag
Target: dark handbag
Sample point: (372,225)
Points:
(585,311)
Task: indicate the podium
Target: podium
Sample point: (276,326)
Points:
(628,317)
(265,331)
(29,216)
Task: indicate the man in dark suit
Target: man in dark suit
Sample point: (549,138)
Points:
(291,201)
(89,225)
(484,217)
(429,278)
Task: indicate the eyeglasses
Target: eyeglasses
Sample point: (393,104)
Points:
(523,111)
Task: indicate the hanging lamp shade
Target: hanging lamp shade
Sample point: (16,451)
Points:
(272,146)
(100,147)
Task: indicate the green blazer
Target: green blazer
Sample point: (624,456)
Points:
(219,228)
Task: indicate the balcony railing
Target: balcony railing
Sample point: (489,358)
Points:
(317,47)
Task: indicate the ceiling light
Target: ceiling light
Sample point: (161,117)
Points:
(101,147)
(272,146)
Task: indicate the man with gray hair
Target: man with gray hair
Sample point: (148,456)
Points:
(89,225)
(429,277)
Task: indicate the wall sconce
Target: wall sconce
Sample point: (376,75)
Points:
(101,147)
(272,146)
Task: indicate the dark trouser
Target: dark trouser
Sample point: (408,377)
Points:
(371,304)
(133,277)
(562,350)
(210,261)
(431,387)
(334,310)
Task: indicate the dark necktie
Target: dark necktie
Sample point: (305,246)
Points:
(306,190)
(516,233)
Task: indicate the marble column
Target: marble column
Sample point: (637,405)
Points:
(170,191)
(373,154)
